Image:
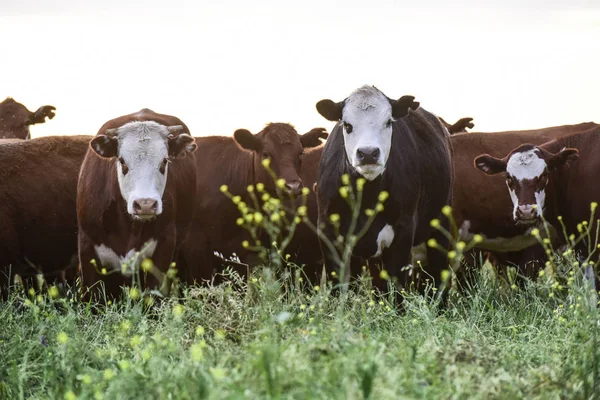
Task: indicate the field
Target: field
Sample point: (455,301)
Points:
(283,338)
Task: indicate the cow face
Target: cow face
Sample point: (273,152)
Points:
(527,175)
(15,119)
(367,117)
(143,151)
(283,146)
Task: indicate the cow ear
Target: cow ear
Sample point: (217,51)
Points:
(181,144)
(247,140)
(313,137)
(563,157)
(330,110)
(39,117)
(401,106)
(490,165)
(461,125)
(105,146)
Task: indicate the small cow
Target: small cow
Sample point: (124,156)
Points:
(548,180)
(459,126)
(237,163)
(37,205)
(399,148)
(15,119)
(136,191)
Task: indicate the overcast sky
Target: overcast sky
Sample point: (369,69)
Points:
(229,64)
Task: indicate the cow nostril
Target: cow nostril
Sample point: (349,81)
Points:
(360,154)
(136,206)
(155,206)
(375,153)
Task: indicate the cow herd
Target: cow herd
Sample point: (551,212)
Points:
(143,187)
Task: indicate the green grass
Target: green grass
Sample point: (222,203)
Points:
(278,338)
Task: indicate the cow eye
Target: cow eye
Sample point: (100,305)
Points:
(348,127)
(163,165)
(510,180)
(389,123)
(266,155)
(124,167)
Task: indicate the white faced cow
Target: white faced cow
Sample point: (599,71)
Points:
(136,187)
(399,148)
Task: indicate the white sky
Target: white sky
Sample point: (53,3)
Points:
(229,64)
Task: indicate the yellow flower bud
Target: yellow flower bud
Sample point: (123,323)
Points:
(447,211)
(432,243)
(239,221)
(452,255)
(445,275)
(360,184)
(275,217)
(478,238)
(280,183)
(224,188)
(260,186)
(305,191)
(383,196)
(334,218)
(384,275)
(236,199)
(134,293)
(346,179)
(369,212)
(147,265)
(435,223)
(343,192)
(461,246)
(379,207)
(53,292)
(245,244)
(250,188)
(266,162)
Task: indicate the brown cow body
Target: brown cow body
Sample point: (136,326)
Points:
(38,181)
(15,119)
(559,177)
(237,163)
(111,227)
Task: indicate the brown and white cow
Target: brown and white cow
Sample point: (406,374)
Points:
(38,186)
(459,126)
(136,191)
(547,180)
(482,205)
(15,119)
(237,162)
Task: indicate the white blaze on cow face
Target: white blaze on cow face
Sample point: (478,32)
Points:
(142,167)
(367,125)
(526,170)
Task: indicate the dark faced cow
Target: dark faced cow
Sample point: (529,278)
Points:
(136,191)
(554,179)
(38,185)
(399,148)
(237,163)
(15,119)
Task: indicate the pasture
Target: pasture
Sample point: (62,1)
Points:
(277,336)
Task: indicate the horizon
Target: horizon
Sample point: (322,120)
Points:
(229,65)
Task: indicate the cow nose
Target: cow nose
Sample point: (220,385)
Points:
(527,211)
(145,206)
(367,155)
(294,187)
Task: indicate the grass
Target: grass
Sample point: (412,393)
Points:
(281,338)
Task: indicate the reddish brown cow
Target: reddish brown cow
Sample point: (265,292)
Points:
(15,119)
(37,204)
(546,179)
(459,126)
(482,204)
(237,163)
(136,192)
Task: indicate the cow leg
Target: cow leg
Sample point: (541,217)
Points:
(95,286)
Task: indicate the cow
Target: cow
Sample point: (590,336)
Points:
(237,163)
(459,126)
(549,180)
(135,194)
(37,205)
(15,119)
(395,146)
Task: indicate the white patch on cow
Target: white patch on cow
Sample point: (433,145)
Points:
(128,263)
(368,111)
(526,165)
(540,200)
(143,146)
(384,239)
(515,201)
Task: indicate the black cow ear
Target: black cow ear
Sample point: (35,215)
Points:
(181,144)
(105,146)
(39,117)
(313,137)
(247,140)
(490,165)
(563,157)
(330,110)
(401,106)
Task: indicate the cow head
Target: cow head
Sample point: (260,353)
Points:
(282,144)
(15,119)
(143,151)
(367,117)
(527,171)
